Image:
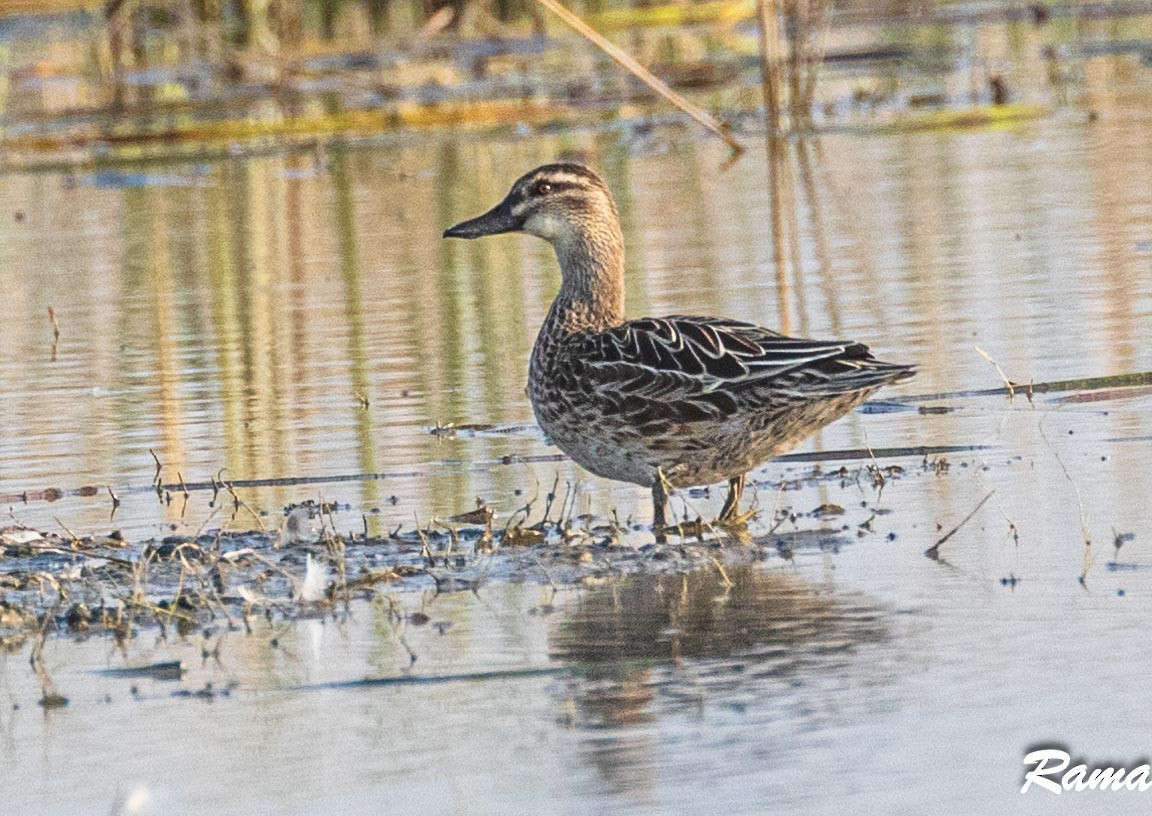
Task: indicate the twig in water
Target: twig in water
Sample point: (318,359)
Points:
(878,480)
(933,552)
(241,503)
(1080,504)
(1013,530)
(55,332)
(1007,382)
(71,535)
(644,75)
(551,497)
(156,475)
(562,520)
(426,551)
(526,510)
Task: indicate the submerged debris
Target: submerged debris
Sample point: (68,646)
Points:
(52,583)
(167,670)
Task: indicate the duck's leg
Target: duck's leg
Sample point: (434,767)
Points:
(732,503)
(659,500)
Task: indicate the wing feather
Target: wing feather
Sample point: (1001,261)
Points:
(689,369)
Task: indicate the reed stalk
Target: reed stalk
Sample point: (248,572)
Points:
(624,59)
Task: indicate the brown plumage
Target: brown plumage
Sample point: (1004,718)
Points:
(662,402)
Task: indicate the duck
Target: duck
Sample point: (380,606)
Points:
(662,402)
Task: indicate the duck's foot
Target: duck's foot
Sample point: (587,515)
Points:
(659,502)
(731,508)
(686,529)
(736,524)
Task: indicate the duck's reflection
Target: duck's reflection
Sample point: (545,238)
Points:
(650,645)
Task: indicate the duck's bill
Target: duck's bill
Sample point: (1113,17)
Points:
(497,220)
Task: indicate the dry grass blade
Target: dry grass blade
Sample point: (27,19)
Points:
(643,74)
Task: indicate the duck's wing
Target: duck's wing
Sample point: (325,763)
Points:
(686,369)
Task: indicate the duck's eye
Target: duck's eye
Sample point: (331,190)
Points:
(541,188)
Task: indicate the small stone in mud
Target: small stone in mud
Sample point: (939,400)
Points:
(78,617)
(827,510)
(167,670)
(207,693)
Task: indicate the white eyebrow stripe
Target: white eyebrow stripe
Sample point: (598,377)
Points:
(566,178)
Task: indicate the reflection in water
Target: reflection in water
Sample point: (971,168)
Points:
(650,645)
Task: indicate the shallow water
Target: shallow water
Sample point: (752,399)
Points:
(271,319)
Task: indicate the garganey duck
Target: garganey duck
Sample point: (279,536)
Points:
(662,402)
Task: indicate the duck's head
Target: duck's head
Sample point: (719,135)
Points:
(561,203)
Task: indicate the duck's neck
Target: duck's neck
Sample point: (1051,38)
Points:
(591,296)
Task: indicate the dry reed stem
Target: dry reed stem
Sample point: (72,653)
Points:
(240,503)
(1076,488)
(71,535)
(1007,382)
(55,332)
(769,37)
(934,551)
(549,499)
(693,110)
(156,475)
